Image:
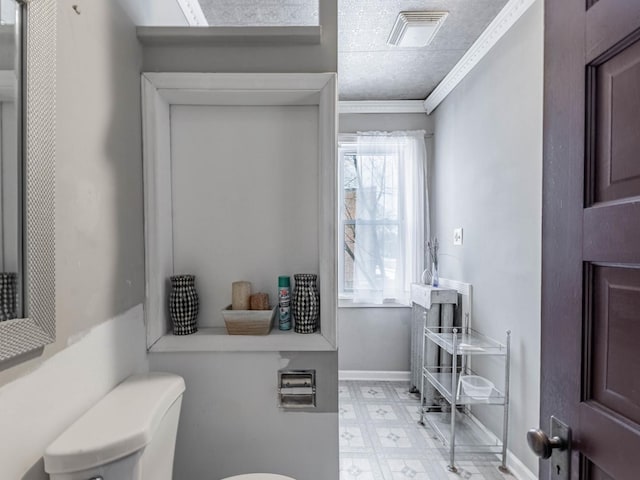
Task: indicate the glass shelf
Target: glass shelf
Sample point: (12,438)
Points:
(465,434)
(441,380)
(469,343)
(470,437)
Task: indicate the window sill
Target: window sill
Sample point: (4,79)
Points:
(348,303)
(216,339)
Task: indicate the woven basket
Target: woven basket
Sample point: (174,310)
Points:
(248,322)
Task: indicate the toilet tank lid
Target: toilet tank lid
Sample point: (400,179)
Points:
(121,423)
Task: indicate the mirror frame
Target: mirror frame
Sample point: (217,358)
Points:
(38,329)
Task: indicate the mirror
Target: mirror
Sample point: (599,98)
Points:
(27,176)
(10,163)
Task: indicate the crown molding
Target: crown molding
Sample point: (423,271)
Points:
(500,25)
(193,13)
(381,106)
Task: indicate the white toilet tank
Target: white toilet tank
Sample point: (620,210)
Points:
(128,435)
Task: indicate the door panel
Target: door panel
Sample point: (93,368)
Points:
(616,135)
(594,473)
(591,234)
(615,341)
(607,441)
(612,233)
(607,23)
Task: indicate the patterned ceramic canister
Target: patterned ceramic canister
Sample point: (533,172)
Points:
(305,305)
(183,304)
(8,296)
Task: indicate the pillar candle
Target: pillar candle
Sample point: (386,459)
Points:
(240,294)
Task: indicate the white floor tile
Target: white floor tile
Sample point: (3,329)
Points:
(381,439)
(351,437)
(381,412)
(393,438)
(356,469)
(372,392)
(346,411)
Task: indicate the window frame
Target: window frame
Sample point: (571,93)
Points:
(349,148)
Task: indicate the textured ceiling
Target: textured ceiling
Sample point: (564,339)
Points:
(260,12)
(368,68)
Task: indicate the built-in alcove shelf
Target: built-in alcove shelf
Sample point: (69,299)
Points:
(207,136)
(216,339)
(304,35)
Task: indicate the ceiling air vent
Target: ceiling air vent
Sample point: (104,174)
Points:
(416,29)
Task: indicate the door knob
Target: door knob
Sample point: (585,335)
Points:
(540,443)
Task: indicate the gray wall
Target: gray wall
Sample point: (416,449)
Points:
(7,47)
(252,58)
(487,178)
(99,233)
(230,421)
(374,338)
(99,236)
(212,164)
(155,12)
(362,122)
(231,424)
(378,338)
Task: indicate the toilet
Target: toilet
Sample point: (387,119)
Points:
(128,435)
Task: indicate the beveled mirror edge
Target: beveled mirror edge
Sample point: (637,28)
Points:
(27,334)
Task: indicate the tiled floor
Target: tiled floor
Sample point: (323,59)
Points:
(380,439)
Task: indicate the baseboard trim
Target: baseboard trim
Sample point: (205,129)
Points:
(377,375)
(514,464)
(519,469)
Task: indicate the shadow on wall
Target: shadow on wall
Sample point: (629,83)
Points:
(13,362)
(35,472)
(100,212)
(99,218)
(123,147)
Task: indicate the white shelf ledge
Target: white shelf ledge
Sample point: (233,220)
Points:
(308,35)
(216,339)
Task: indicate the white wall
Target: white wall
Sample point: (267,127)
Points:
(231,424)
(378,338)
(245,205)
(99,229)
(488,180)
(99,237)
(374,338)
(245,198)
(39,406)
(363,122)
(162,13)
(281,58)
(99,232)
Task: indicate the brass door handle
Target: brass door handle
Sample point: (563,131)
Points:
(540,443)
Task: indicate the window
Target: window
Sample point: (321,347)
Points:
(381,210)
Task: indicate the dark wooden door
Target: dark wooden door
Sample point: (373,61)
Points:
(591,234)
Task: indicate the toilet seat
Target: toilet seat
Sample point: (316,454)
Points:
(259,476)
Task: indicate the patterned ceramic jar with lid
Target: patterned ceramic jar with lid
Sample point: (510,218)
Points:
(306,303)
(184,304)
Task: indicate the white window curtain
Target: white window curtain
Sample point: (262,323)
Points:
(390,215)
